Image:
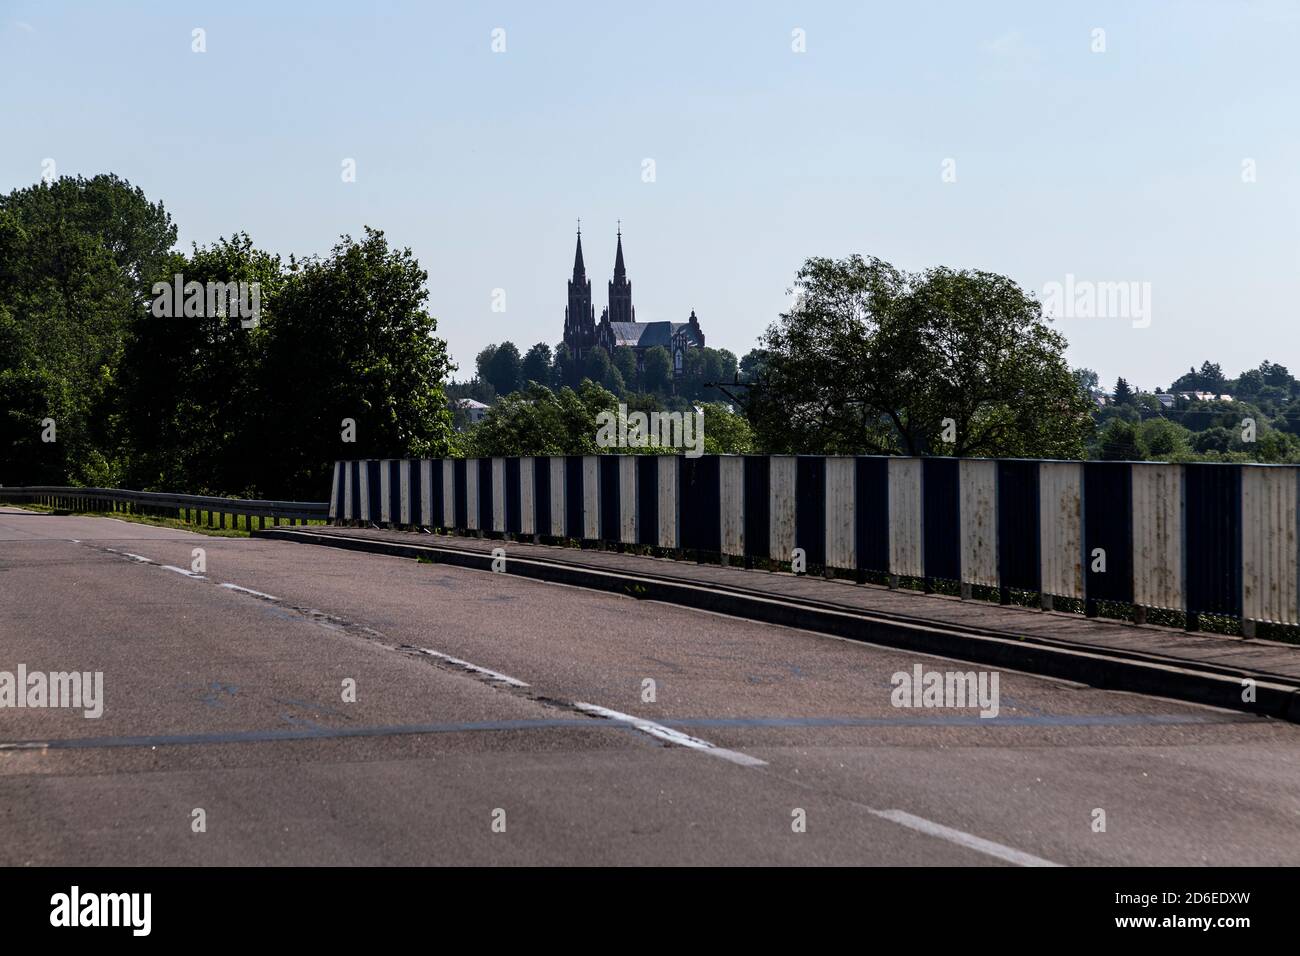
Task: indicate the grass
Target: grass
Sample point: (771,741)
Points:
(154,520)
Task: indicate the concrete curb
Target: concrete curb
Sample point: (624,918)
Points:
(1143,674)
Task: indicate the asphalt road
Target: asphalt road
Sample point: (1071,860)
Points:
(481,729)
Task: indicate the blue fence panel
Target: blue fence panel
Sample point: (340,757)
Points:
(871,514)
(810,507)
(1018,517)
(941,517)
(1212,542)
(609,496)
(1108,526)
(758,517)
(573,497)
(701,504)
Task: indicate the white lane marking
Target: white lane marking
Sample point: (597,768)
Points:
(128,554)
(236,587)
(490,675)
(669,735)
(188,574)
(961,838)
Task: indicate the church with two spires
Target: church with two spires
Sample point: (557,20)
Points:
(618,325)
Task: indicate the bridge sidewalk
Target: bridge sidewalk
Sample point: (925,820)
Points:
(1245,656)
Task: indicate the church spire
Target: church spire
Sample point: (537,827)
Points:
(579,270)
(579,316)
(620,290)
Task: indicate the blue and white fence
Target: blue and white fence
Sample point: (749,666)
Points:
(1198,538)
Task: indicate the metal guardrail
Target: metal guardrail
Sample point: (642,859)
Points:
(181,507)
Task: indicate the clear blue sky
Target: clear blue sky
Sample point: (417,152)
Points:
(1117,166)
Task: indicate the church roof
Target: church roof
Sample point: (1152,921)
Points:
(646,335)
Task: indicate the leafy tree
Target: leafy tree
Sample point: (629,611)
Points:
(1211,375)
(189,385)
(873,359)
(596,366)
(503,368)
(1216,439)
(701,367)
(1275,375)
(538,421)
(613,381)
(568,369)
(726,433)
(625,362)
(536,365)
(1123,394)
(74,255)
(657,374)
(483,363)
(1119,442)
(1163,440)
(752,365)
(350,338)
(1249,384)
(1087,379)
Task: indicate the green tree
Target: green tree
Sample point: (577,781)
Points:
(1087,379)
(539,421)
(568,369)
(74,256)
(1163,440)
(191,410)
(351,338)
(1123,394)
(1211,376)
(503,368)
(596,365)
(536,365)
(625,362)
(1119,442)
(1275,375)
(657,372)
(752,365)
(874,360)
(726,433)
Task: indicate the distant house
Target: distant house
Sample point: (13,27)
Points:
(1165,399)
(471,412)
(1204,397)
(1100,398)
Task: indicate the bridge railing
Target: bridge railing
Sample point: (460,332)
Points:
(189,508)
(1178,542)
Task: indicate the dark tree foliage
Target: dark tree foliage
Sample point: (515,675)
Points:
(351,339)
(875,360)
(74,255)
(536,366)
(201,403)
